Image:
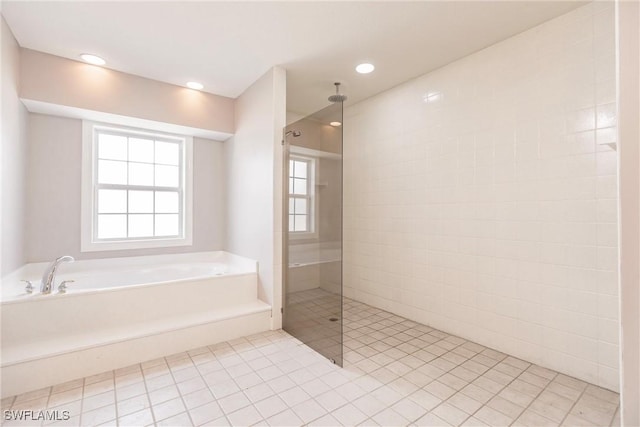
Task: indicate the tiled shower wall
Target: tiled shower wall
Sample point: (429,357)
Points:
(480,201)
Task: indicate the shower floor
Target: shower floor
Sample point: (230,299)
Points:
(397,372)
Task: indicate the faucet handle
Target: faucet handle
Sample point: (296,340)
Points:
(62,287)
(29,287)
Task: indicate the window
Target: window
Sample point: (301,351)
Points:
(301,192)
(136,189)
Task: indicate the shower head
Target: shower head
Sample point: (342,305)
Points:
(338,97)
(296,133)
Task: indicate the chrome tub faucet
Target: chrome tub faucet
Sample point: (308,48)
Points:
(50,273)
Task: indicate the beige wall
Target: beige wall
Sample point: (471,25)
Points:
(14,149)
(480,201)
(53,201)
(55,80)
(628,20)
(254,183)
(329,199)
(316,135)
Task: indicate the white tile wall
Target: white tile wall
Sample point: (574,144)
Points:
(478,199)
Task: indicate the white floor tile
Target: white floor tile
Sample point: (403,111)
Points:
(404,373)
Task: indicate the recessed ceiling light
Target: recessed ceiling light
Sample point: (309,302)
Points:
(365,68)
(92,59)
(195,85)
(335,124)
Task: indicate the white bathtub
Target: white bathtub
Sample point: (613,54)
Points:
(122,311)
(102,274)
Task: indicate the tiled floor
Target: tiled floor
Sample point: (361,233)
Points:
(397,372)
(313,317)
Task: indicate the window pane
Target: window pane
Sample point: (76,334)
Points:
(291,167)
(112,201)
(299,186)
(138,179)
(292,222)
(140,174)
(140,202)
(301,206)
(166,225)
(110,172)
(112,226)
(290,185)
(291,205)
(300,223)
(140,150)
(112,147)
(166,202)
(300,170)
(167,176)
(140,225)
(167,153)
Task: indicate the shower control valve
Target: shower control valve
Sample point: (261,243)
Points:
(29,287)
(62,287)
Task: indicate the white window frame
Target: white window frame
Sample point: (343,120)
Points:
(89,241)
(311,197)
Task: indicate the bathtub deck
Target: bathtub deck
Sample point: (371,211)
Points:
(57,346)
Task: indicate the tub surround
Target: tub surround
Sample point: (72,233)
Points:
(121,320)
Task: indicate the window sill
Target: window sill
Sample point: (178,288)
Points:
(303,235)
(134,244)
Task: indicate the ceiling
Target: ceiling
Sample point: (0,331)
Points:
(228,45)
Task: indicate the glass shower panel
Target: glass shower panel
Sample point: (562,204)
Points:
(313,231)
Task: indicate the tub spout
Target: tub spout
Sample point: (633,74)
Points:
(50,274)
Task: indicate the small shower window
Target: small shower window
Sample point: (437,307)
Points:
(139,189)
(300,194)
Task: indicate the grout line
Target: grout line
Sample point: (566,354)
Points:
(180,393)
(240,388)
(484,404)
(82,401)
(251,403)
(614,415)
(146,392)
(573,406)
(46,405)
(115,396)
(536,397)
